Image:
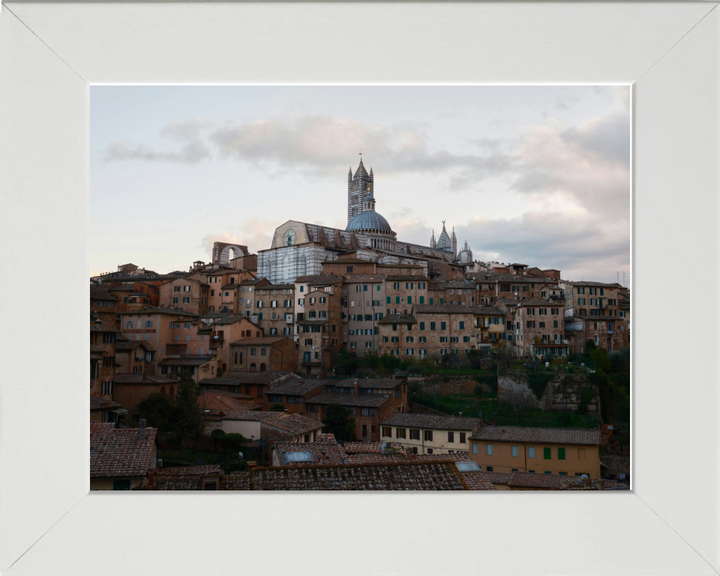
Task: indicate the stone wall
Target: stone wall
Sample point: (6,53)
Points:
(563,392)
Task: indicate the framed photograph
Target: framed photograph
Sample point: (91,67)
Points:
(53,54)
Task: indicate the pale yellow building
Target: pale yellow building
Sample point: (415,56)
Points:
(557,451)
(429,434)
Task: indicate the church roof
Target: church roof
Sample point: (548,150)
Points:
(368,220)
(361,172)
(443,242)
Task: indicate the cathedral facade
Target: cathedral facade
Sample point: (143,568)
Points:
(300,248)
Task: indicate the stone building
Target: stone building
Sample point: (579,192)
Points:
(369,401)
(363,305)
(275,308)
(319,325)
(538,327)
(185,294)
(430,330)
(429,434)
(102,359)
(266,353)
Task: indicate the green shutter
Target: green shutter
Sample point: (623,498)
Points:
(561,453)
(422,325)
(441,301)
(431,300)
(397,299)
(422,299)
(388,299)
(547,453)
(409,300)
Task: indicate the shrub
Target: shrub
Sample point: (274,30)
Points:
(538,382)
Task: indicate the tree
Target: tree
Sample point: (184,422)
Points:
(189,421)
(519,399)
(277,408)
(158,410)
(506,356)
(339,422)
(347,365)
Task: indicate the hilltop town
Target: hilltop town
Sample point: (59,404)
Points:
(349,359)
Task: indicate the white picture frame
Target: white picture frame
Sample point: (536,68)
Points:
(49,55)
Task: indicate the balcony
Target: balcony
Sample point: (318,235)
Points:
(289,320)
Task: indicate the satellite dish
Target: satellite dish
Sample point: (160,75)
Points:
(584,477)
(242,457)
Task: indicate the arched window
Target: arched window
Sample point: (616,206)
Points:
(263,352)
(252,351)
(263,367)
(252,366)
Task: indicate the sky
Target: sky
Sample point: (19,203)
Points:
(533,174)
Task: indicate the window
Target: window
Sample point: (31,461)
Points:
(513,451)
(400,433)
(531,452)
(462,437)
(368,412)
(561,453)
(451,436)
(443,326)
(547,453)
(414,434)
(488,449)
(428,435)
(387,432)
(488,468)
(475,448)
(121,485)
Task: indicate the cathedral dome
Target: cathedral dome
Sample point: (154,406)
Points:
(368,220)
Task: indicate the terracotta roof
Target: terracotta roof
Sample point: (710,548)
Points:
(125,345)
(486,311)
(357,278)
(319,279)
(477,481)
(259,377)
(101,295)
(442,309)
(211,470)
(294,424)
(575,483)
(498,477)
(101,403)
(142,379)
(594,284)
(225,381)
(532,480)
(395,476)
(229,286)
(387,383)
(220,403)
(431,421)
(228,320)
(298,386)
(367,447)
(263,340)
(346,399)
(118,453)
(276,287)
(321,453)
(538,435)
(402,456)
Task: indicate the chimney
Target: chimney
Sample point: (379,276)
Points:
(323,456)
(141,430)
(151,476)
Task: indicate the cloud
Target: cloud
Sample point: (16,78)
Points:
(193,150)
